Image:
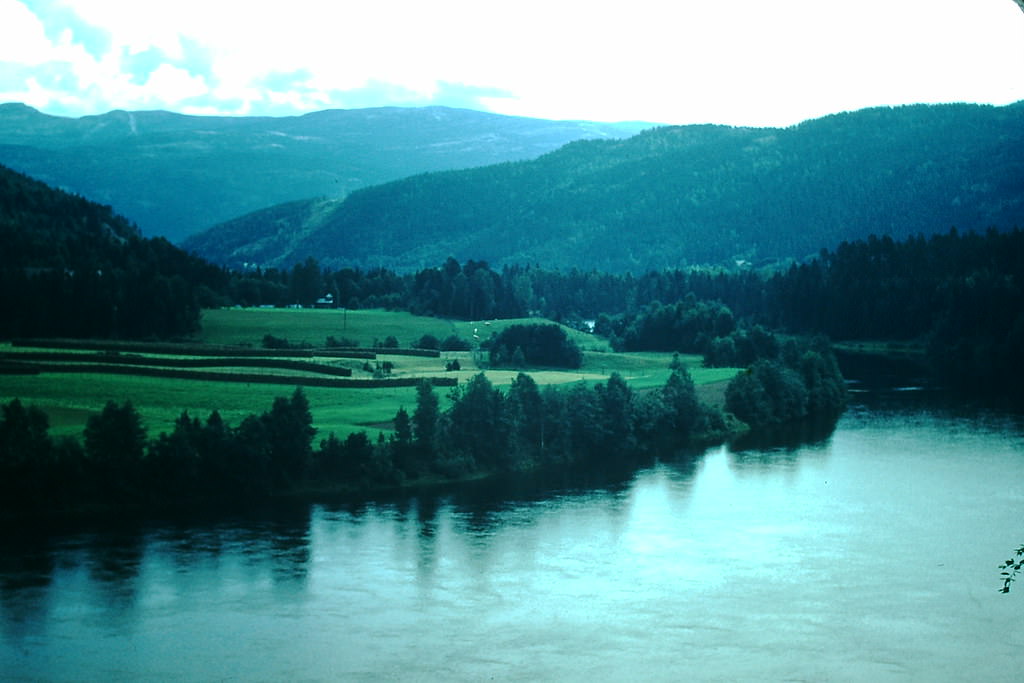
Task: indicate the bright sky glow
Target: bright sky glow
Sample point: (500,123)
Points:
(741,62)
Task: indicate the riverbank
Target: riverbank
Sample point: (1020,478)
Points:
(53,515)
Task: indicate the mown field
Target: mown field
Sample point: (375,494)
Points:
(70,397)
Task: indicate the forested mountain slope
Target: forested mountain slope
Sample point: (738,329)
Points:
(44,228)
(71,267)
(175,175)
(669,197)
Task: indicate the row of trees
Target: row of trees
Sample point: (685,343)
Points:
(115,463)
(483,430)
(874,288)
(474,290)
(486,430)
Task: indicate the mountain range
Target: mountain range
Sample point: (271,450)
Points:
(174,175)
(668,197)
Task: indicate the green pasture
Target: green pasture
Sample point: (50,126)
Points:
(70,398)
(650,369)
(643,370)
(247,327)
(481,330)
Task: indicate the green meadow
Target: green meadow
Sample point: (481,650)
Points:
(247,326)
(69,398)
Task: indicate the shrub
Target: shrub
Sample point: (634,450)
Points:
(455,343)
(545,344)
(343,342)
(427,341)
(272,342)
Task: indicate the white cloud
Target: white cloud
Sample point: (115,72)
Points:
(138,26)
(201,110)
(745,61)
(24,36)
(35,95)
(172,84)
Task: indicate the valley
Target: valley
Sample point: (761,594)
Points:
(673,292)
(468,341)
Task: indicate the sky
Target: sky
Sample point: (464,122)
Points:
(736,62)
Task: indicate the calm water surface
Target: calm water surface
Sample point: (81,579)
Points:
(867,555)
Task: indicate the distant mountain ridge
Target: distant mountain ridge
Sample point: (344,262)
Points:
(174,174)
(669,197)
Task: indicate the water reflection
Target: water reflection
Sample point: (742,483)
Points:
(871,373)
(683,465)
(419,520)
(113,561)
(26,572)
(25,563)
(290,551)
(790,438)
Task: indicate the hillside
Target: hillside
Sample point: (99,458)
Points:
(71,267)
(175,175)
(42,228)
(669,197)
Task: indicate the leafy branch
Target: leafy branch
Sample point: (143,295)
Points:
(1011,568)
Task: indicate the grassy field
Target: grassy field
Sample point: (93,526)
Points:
(69,398)
(247,326)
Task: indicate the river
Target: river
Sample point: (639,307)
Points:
(867,554)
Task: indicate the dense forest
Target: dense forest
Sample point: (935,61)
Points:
(70,267)
(669,197)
